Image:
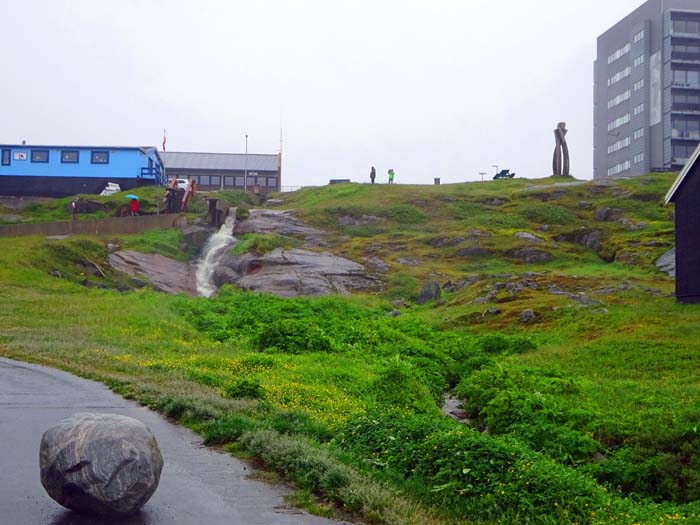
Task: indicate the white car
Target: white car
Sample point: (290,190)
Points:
(183,184)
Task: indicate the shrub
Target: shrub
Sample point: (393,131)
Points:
(472,474)
(399,386)
(227,429)
(244,389)
(293,336)
(286,422)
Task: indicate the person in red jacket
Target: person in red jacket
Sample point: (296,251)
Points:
(134,207)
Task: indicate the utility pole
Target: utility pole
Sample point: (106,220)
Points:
(245,175)
(495,166)
(482,173)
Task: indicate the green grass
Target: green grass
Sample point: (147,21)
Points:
(343,399)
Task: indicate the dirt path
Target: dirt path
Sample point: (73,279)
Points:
(197,486)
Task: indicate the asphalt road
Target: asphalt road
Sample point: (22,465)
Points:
(198,486)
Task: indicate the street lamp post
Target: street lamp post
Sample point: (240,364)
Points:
(495,166)
(245,175)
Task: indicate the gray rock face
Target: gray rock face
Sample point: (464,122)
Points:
(528,316)
(165,274)
(528,237)
(667,262)
(283,222)
(291,273)
(530,255)
(607,214)
(429,292)
(100,463)
(375,264)
(588,238)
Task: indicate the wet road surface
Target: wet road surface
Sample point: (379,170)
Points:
(198,486)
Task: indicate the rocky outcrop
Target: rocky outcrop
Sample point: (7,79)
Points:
(587,238)
(195,237)
(667,262)
(281,222)
(165,274)
(607,214)
(100,463)
(528,237)
(530,255)
(296,272)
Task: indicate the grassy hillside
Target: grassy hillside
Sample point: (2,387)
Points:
(579,372)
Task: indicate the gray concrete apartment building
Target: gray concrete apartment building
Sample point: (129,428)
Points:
(646,114)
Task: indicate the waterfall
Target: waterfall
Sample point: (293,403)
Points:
(216,247)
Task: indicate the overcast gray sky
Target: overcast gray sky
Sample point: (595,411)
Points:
(432,88)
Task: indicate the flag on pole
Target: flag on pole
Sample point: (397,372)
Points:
(163,140)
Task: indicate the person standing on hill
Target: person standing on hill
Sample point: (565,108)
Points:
(74,209)
(372,174)
(134,207)
(391,176)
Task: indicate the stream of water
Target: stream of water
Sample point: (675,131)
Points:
(216,247)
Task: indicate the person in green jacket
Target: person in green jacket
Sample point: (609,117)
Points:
(391,176)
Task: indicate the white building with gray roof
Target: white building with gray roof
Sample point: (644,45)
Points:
(259,173)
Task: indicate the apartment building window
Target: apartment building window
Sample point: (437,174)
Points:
(639,157)
(685,51)
(682,77)
(639,60)
(619,168)
(619,53)
(686,100)
(620,144)
(639,85)
(620,121)
(685,128)
(619,76)
(639,109)
(619,99)
(5,157)
(638,134)
(639,36)
(681,152)
(691,27)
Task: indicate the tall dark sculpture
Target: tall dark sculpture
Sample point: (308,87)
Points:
(560,163)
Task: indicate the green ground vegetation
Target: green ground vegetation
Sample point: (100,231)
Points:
(586,413)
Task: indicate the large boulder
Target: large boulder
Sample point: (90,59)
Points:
(295,272)
(667,262)
(100,463)
(165,274)
(590,239)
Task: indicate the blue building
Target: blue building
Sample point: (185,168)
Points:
(59,171)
